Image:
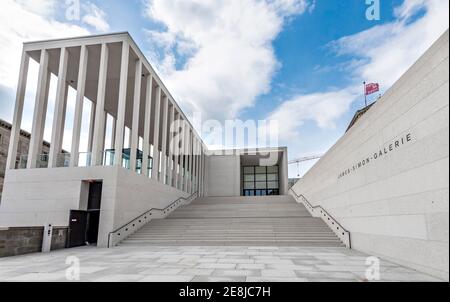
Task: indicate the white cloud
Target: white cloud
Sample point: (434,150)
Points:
(95,17)
(40,7)
(392,48)
(384,54)
(324,108)
(18,25)
(227,48)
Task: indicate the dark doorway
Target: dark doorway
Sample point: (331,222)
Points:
(83,225)
(94,205)
(95,195)
(77,228)
(92,227)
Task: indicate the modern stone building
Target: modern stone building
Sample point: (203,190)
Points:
(382,189)
(387,179)
(164,162)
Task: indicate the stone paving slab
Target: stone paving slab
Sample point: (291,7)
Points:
(203,264)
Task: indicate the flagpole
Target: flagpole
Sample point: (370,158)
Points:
(365,94)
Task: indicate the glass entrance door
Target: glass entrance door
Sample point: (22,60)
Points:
(261,181)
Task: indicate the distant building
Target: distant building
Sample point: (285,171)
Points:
(24,141)
(358,115)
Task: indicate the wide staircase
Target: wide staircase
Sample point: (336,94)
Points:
(238,221)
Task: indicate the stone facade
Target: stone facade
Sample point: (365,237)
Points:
(25,240)
(387,179)
(5,133)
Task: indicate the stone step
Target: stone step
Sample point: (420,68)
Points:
(201,222)
(228,234)
(235,243)
(238,221)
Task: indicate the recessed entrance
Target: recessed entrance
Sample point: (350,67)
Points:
(261,181)
(83,225)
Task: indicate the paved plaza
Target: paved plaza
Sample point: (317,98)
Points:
(203,264)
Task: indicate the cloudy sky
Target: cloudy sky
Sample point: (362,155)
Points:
(301,62)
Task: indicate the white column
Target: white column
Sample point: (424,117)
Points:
(181,152)
(155,169)
(44,117)
(199,167)
(187,152)
(91,127)
(105,124)
(202,179)
(176,146)
(184,156)
(78,116)
(98,136)
(205,174)
(60,110)
(122,104)
(113,133)
(18,112)
(147,121)
(200,170)
(171,145)
(40,110)
(197,164)
(165,108)
(193,163)
(191,160)
(136,112)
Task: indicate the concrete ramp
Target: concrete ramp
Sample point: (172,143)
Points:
(238,221)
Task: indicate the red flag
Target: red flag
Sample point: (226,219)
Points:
(372,88)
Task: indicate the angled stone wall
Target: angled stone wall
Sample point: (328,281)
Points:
(387,179)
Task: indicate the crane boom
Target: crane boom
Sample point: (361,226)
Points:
(304,159)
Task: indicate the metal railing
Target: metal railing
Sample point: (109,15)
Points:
(134,225)
(42,161)
(63,160)
(23,161)
(84,159)
(319,211)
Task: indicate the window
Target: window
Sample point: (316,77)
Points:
(272,169)
(261,177)
(249,170)
(272,177)
(249,185)
(249,178)
(260,181)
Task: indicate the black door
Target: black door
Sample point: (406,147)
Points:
(77,228)
(95,195)
(92,227)
(94,205)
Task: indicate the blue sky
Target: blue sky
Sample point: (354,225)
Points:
(301,62)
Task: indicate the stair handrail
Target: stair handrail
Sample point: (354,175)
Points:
(328,218)
(139,219)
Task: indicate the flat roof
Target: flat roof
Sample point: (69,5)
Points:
(33,46)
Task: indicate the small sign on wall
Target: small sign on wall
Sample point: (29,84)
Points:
(381,153)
